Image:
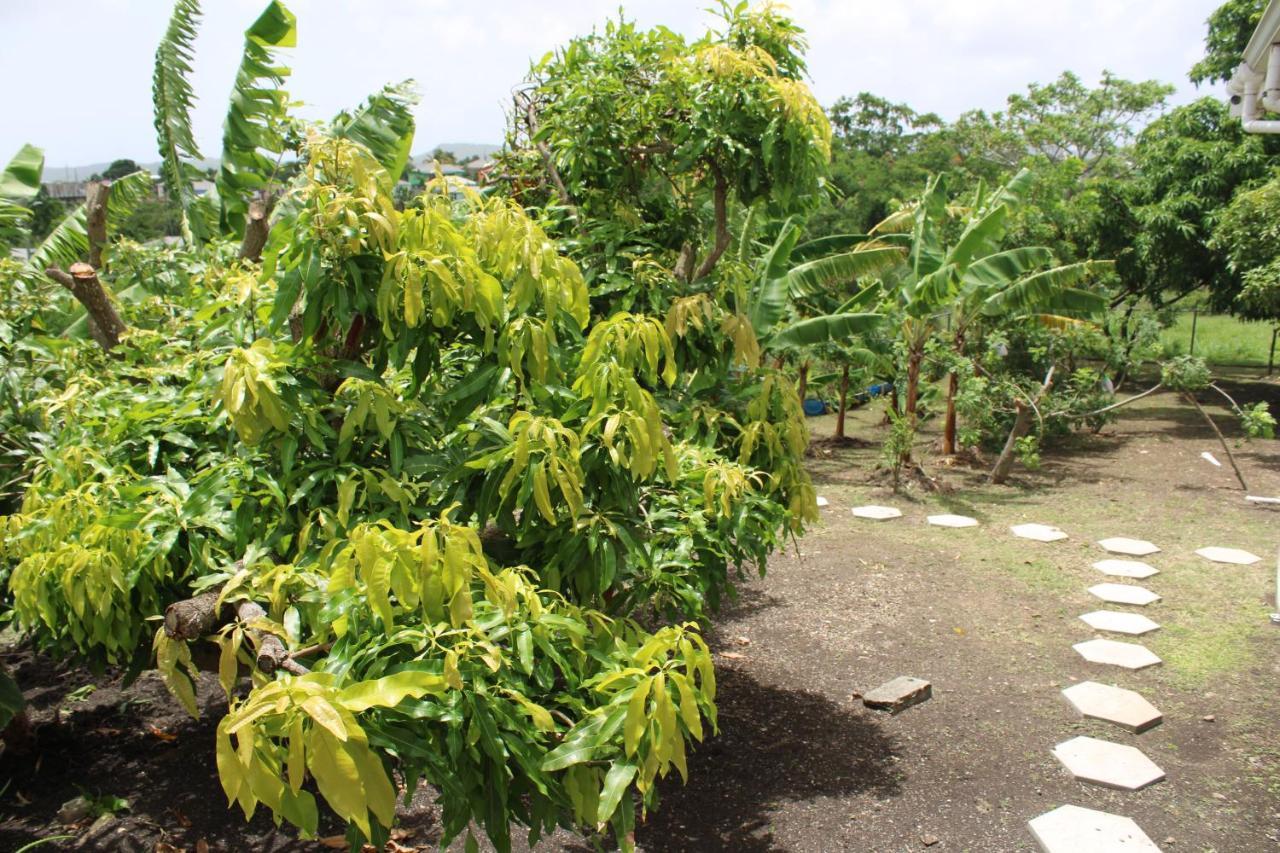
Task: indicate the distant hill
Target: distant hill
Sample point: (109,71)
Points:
(83,173)
(462,150)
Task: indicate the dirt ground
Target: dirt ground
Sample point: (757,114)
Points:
(799,764)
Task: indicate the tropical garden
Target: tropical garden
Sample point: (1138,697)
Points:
(449,492)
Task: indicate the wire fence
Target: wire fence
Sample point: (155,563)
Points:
(1223,340)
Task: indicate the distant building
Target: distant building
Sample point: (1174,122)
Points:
(429,166)
(68,192)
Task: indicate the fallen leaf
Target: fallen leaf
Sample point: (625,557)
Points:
(155,731)
(202,846)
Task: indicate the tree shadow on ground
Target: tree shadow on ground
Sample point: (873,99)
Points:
(774,745)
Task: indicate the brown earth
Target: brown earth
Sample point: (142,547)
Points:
(799,764)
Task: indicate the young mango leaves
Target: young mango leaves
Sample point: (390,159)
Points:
(251,383)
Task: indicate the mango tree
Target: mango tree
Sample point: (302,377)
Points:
(400,474)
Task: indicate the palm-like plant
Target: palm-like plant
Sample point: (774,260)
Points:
(971,279)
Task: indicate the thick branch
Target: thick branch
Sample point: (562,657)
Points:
(720,200)
(105,324)
(196,617)
(257,226)
(1153,389)
(1230,457)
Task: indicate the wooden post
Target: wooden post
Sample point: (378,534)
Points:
(1195,315)
(1271,358)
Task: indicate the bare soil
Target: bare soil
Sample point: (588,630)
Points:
(799,764)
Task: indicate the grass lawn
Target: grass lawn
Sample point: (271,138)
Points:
(1220,339)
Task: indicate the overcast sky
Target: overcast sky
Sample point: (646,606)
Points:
(77,73)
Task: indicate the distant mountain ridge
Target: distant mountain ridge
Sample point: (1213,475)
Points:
(462,150)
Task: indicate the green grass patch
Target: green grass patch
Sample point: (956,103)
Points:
(1220,339)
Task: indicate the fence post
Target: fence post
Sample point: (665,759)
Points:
(1271,357)
(1195,315)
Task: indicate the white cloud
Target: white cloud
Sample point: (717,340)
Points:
(92,103)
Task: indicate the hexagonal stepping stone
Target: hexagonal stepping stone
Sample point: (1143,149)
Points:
(1116,653)
(1228,555)
(1038,532)
(1121,623)
(877,513)
(1126,568)
(1072,829)
(947,520)
(1123,593)
(1125,708)
(1131,547)
(821,502)
(1111,765)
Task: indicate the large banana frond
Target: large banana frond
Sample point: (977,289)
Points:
(69,240)
(383,124)
(172,100)
(979,237)
(822,273)
(1014,190)
(257,114)
(933,291)
(20,181)
(1050,291)
(823,246)
(830,328)
(12,214)
(995,271)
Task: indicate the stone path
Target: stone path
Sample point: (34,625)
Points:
(1120,623)
(1072,829)
(1069,828)
(1124,593)
(1111,765)
(947,520)
(1111,704)
(1114,653)
(1038,532)
(1126,569)
(1228,555)
(1131,547)
(877,513)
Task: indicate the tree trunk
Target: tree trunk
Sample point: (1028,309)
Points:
(105,324)
(257,227)
(1021,424)
(949,430)
(1225,449)
(802,384)
(953,385)
(720,205)
(844,396)
(913,386)
(95,219)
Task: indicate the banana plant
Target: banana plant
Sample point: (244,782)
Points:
(19,183)
(258,130)
(972,279)
(795,281)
